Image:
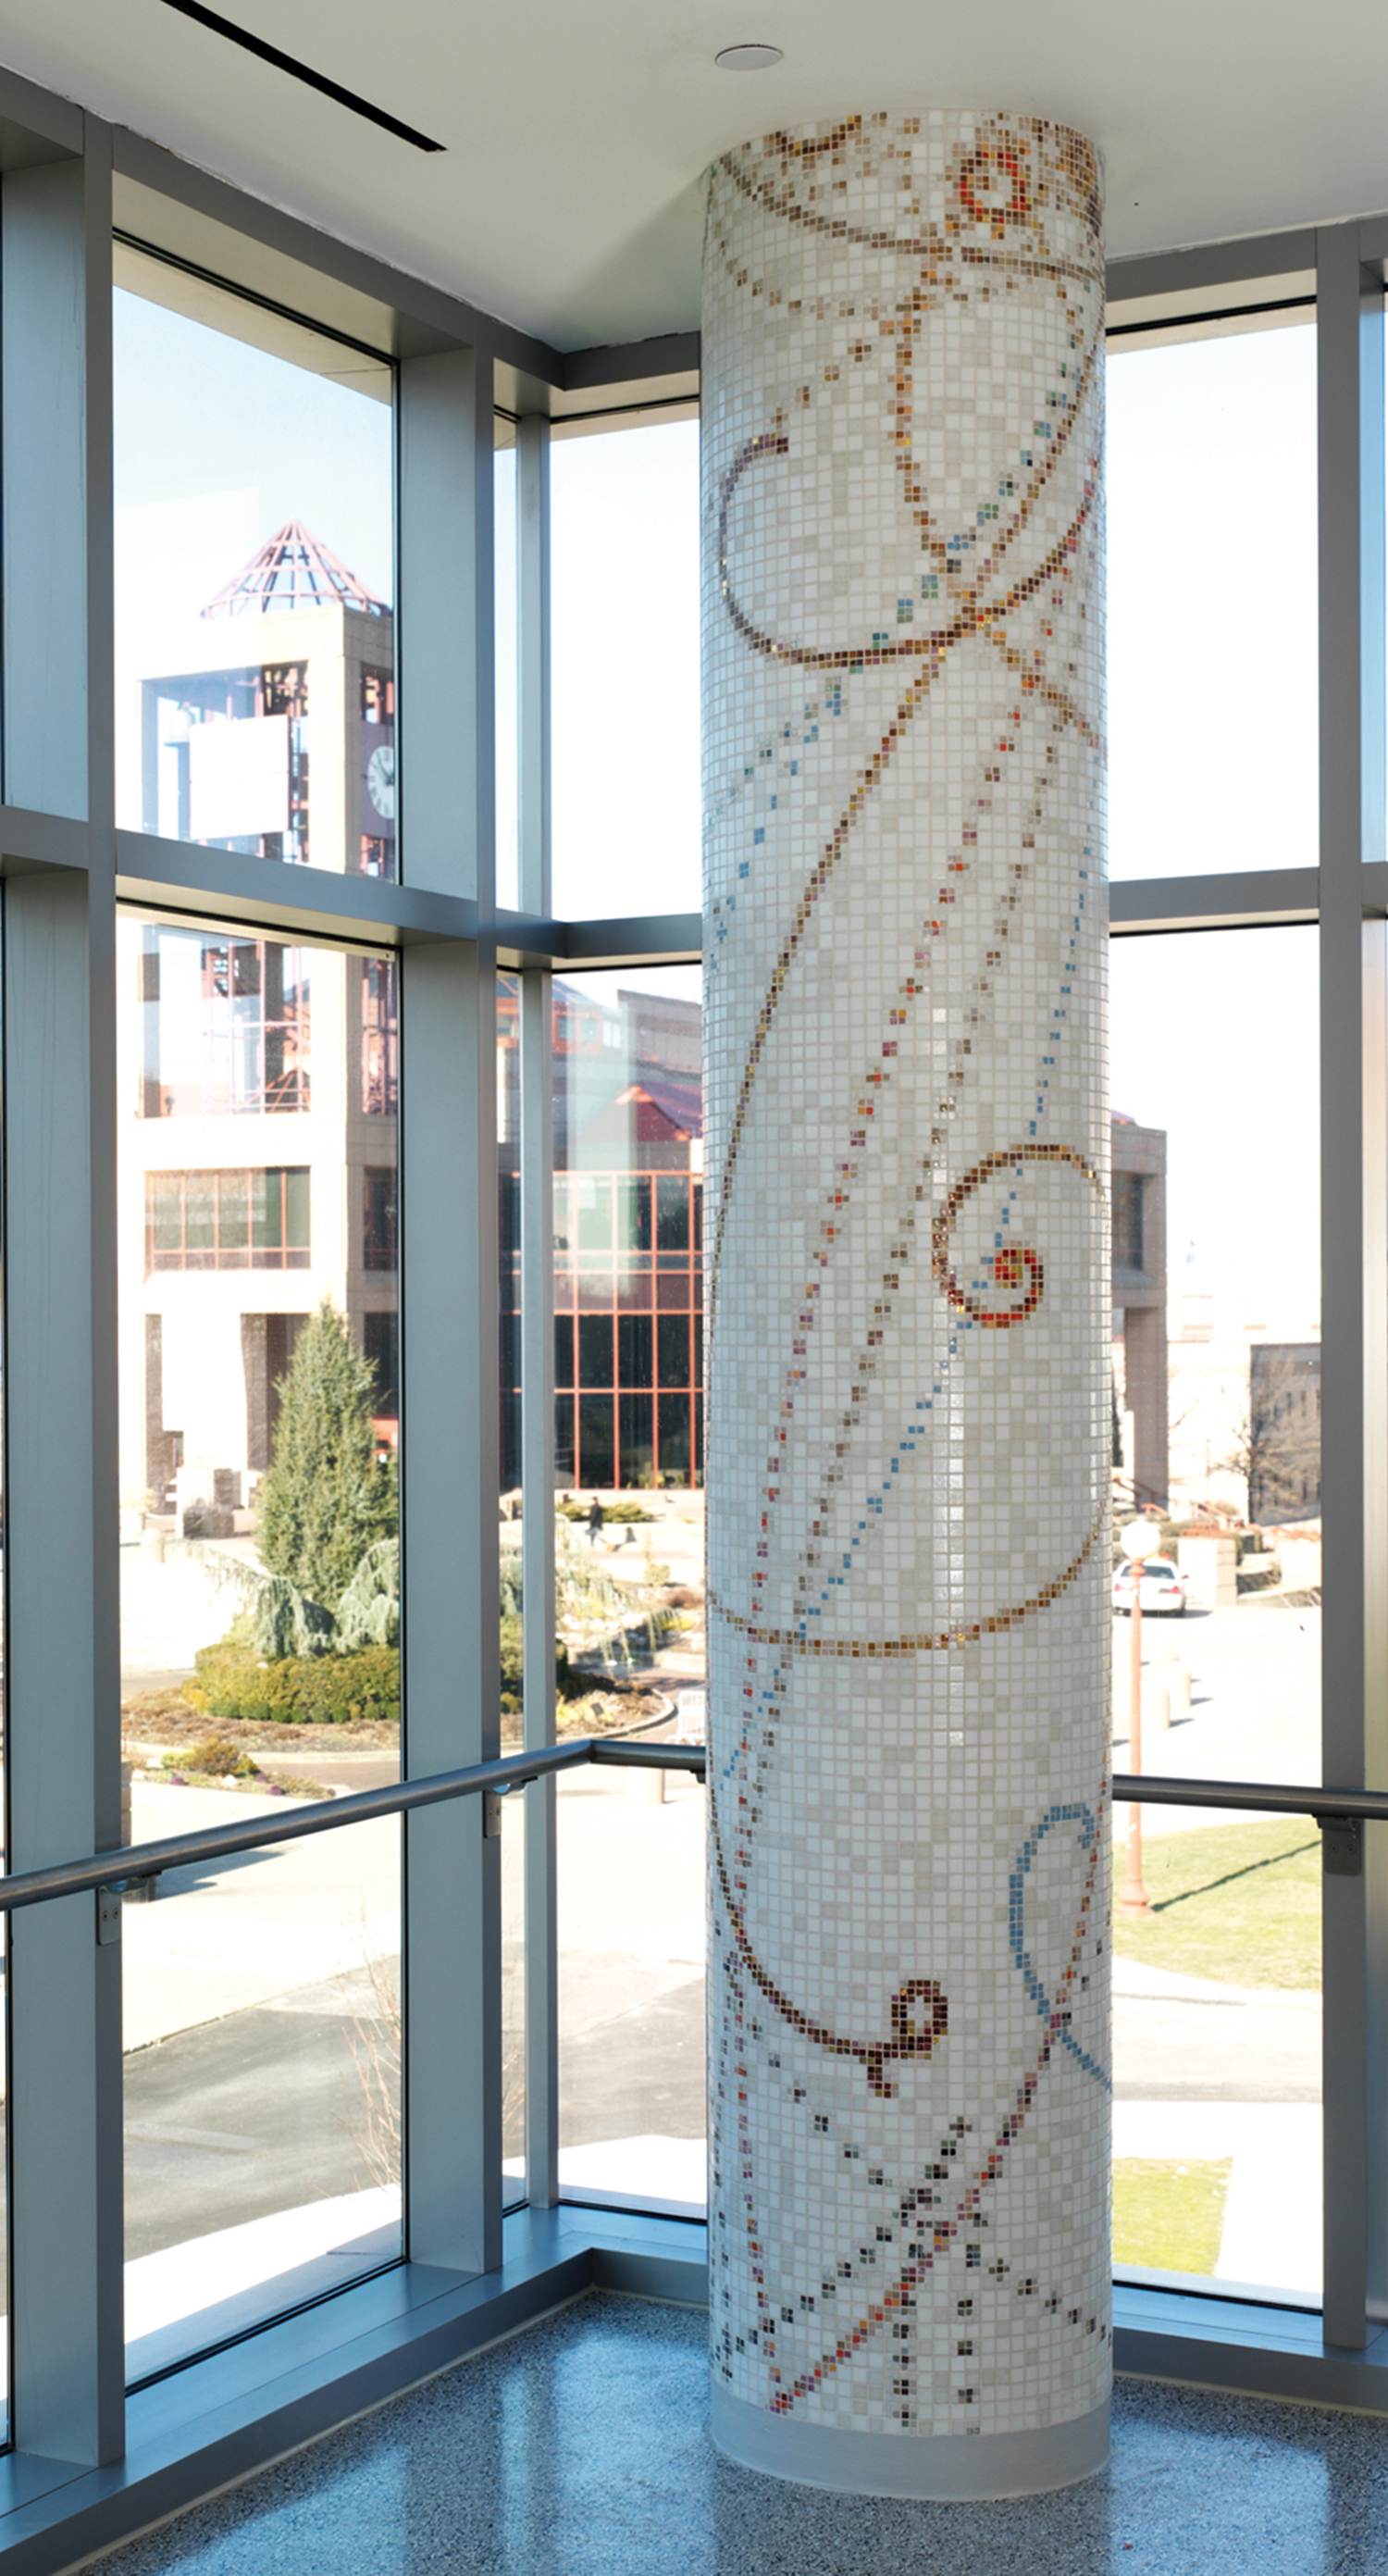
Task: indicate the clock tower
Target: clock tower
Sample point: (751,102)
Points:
(272,731)
(258,1122)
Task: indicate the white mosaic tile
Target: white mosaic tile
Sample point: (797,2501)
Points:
(907,1274)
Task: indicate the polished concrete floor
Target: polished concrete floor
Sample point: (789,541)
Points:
(580,2449)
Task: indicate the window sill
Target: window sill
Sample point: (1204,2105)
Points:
(220,2420)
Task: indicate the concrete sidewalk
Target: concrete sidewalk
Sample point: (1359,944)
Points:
(1189,2038)
(1273,2213)
(1255,1701)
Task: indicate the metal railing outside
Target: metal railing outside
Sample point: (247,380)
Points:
(133,1864)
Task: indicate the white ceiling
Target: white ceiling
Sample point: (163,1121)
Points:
(569,197)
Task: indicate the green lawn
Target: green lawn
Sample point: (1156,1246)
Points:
(1169,2215)
(1238,1903)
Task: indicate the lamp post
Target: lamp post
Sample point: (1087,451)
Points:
(1135,1541)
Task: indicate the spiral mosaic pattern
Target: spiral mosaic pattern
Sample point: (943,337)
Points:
(907,1255)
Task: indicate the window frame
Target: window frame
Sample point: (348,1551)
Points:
(68,183)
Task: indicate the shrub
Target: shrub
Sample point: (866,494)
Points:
(215,1753)
(324,1501)
(343,1690)
(369,1612)
(513,1667)
(295,1690)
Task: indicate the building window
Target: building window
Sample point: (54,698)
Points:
(628,1327)
(228,756)
(380,1336)
(1127,1221)
(1283,1462)
(226,1026)
(379,1232)
(237,1220)
(380,1037)
(377,774)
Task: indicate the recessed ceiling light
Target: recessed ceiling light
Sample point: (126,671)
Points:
(748,58)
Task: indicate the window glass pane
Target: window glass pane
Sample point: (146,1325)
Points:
(200,1211)
(259,1360)
(1216,1344)
(262,2077)
(4,1945)
(266,1196)
(233,1209)
(1212,738)
(512,2000)
(595,1350)
(513,1500)
(297,1185)
(593,1200)
(630,1606)
(625,632)
(1217,2056)
(255,583)
(165,1198)
(628,1121)
(1216,1347)
(379,1252)
(380,1038)
(634,1214)
(672,1216)
(673,1348)
(226,1024)
(631,1985)
(507,735)
(597,1433)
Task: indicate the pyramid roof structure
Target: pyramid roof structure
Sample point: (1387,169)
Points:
(293,570)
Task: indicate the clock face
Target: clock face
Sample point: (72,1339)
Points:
(380,781)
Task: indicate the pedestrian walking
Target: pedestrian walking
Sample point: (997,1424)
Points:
(596,1517)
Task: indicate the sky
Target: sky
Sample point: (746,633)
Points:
(1212,605)
(1212,677)
(1212,704)
(1212,765)
(507,744)
(625,554)
(1213,1037)
(217,443)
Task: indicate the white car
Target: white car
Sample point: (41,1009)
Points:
(1162,1593)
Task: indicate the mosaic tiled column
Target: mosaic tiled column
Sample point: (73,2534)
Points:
(907,1240)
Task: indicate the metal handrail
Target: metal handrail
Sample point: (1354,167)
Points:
(221,1842)
(1279,1798)
(508,1771)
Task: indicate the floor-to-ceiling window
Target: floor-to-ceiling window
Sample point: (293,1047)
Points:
(1215,1085)
(354,1354)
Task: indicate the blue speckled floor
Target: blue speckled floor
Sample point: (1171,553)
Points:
(580,2449)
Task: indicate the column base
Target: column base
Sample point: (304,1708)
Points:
(934,2468)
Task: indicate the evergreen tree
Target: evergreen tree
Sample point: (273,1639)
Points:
(324,1501)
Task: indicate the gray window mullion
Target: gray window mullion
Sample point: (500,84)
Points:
(450,1402)
(61,1571)
(537,1324)
(1354,1221)
(537,1476)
